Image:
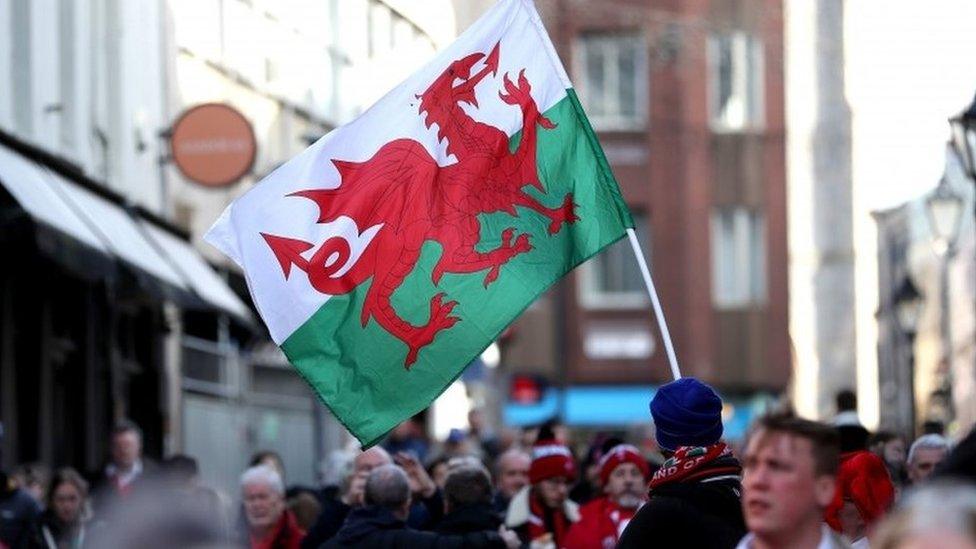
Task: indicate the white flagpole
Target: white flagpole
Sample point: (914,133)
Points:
(656,303)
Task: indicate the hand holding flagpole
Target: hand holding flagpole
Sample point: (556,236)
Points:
(656,303)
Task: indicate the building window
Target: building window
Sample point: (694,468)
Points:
(735,62)
(209,367)
(612,278)
(738,257)
(613,79)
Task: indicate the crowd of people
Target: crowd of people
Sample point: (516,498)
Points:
(792,483)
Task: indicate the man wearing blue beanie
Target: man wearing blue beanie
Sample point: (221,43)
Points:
(693,499)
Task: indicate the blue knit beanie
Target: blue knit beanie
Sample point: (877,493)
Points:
(686,412)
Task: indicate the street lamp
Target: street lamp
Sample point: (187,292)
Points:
(944,208)
(964,138)
(899,388)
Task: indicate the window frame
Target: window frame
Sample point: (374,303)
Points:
(611,42)
(227,366)
(749,284)
(748,51)
(593,298)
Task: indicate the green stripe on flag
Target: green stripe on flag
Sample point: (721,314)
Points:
(359,372)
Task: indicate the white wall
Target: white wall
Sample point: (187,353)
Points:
(90,65)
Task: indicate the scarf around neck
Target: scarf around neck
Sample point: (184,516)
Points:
(543,520)
(690,463)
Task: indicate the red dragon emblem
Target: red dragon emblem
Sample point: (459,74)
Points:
(415,200)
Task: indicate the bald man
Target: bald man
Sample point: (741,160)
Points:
(334,511)
(427,508)
(511,475)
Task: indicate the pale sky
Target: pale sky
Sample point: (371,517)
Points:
(910,66)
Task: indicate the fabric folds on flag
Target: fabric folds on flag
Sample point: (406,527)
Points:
(389,254)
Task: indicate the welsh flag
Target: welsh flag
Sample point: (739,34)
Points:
(389,254)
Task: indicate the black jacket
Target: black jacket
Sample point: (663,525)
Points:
(960,463)
(49,526)
(376,528)
(330,520)
(469,518)
(499,505)
(424,514)
(704,513)
(18,511)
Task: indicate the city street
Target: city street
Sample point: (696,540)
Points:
(487,273)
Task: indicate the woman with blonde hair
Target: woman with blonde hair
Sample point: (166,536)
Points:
(64,523)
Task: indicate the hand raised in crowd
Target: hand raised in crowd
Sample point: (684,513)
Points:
(354,496)
(545,541)
(510,538)
(420,482)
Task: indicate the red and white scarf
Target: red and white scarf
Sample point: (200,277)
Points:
(691,463)
(537,523)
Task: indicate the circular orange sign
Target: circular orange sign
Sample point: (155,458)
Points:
(213,144)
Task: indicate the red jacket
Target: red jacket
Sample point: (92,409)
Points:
(286,534)
(600,525)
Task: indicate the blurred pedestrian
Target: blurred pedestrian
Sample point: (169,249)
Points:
(938,515)
(890,447)
(270,524)
(155,517)
(18,511)
(511,475)
(301,501)
(306,508)
(556,430)
(458,443)
(588,486)
(489,446)
(469,460)
(542,512)
(467,502)
(693,498)
(846,402)
(644,438)
(437,469)
(925,454)
(789,478)
(34,478)
(407,437)
(271,459)
(508,438)
(334,512)
(126,468)
(381,522)
(180,474)
(853,435)
(332,470)
(349,495)
(863,496)
(961,461)
(64,523)
(623,474)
